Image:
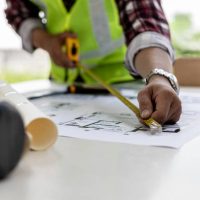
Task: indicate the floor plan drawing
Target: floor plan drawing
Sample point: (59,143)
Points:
(117,123)
(105,118)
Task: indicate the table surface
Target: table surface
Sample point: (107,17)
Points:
(89,170)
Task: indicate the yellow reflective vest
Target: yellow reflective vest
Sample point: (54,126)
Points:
(96,23)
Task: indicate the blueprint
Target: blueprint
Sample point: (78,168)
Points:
(105,118)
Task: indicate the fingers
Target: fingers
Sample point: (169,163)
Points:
(168,108)
(145,103)
(60,58)
(64,62)
(163,103)
(160,103)
(57,54)
(176,110)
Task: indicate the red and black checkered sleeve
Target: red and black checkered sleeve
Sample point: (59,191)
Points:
(18,11)
(138,16)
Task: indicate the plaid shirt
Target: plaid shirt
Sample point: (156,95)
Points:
(136,16)
(142,18)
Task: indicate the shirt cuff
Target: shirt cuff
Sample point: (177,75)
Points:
(145,40)
(25,32)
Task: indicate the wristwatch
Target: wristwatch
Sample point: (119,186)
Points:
(169,76)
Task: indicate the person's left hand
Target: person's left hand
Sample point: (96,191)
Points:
(159,101)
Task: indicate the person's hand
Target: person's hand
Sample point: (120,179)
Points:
(159,101)
(53,44)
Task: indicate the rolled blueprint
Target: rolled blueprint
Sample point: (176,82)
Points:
(40,128)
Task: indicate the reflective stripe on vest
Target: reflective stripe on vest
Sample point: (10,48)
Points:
(102,32)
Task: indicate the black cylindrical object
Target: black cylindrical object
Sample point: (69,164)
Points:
(12,138)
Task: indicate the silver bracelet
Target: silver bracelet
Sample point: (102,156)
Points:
(169,76)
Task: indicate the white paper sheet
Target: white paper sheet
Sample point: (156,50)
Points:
(105,118)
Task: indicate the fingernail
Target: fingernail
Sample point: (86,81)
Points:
(145,114)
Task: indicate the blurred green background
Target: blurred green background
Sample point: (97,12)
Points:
(185,37)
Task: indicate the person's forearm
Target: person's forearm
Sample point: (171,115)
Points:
(145,26)
(39,38)
(151,58)
(159,97)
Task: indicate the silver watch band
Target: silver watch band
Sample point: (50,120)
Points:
(169,76)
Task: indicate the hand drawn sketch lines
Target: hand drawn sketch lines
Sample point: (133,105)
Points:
(106,122)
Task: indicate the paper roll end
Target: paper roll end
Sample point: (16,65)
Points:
(44,133)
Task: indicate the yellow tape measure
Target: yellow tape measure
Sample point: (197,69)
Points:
(154,126)
(73,48)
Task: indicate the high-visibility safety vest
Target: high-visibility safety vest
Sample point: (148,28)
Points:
(96,23)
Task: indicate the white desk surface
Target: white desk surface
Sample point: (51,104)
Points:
(77,169)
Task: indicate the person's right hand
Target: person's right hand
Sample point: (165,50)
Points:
(53,44)
(159,101)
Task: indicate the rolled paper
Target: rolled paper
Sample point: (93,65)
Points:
(42,129)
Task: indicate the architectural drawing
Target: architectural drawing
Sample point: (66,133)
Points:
(122,123)
(105,118)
